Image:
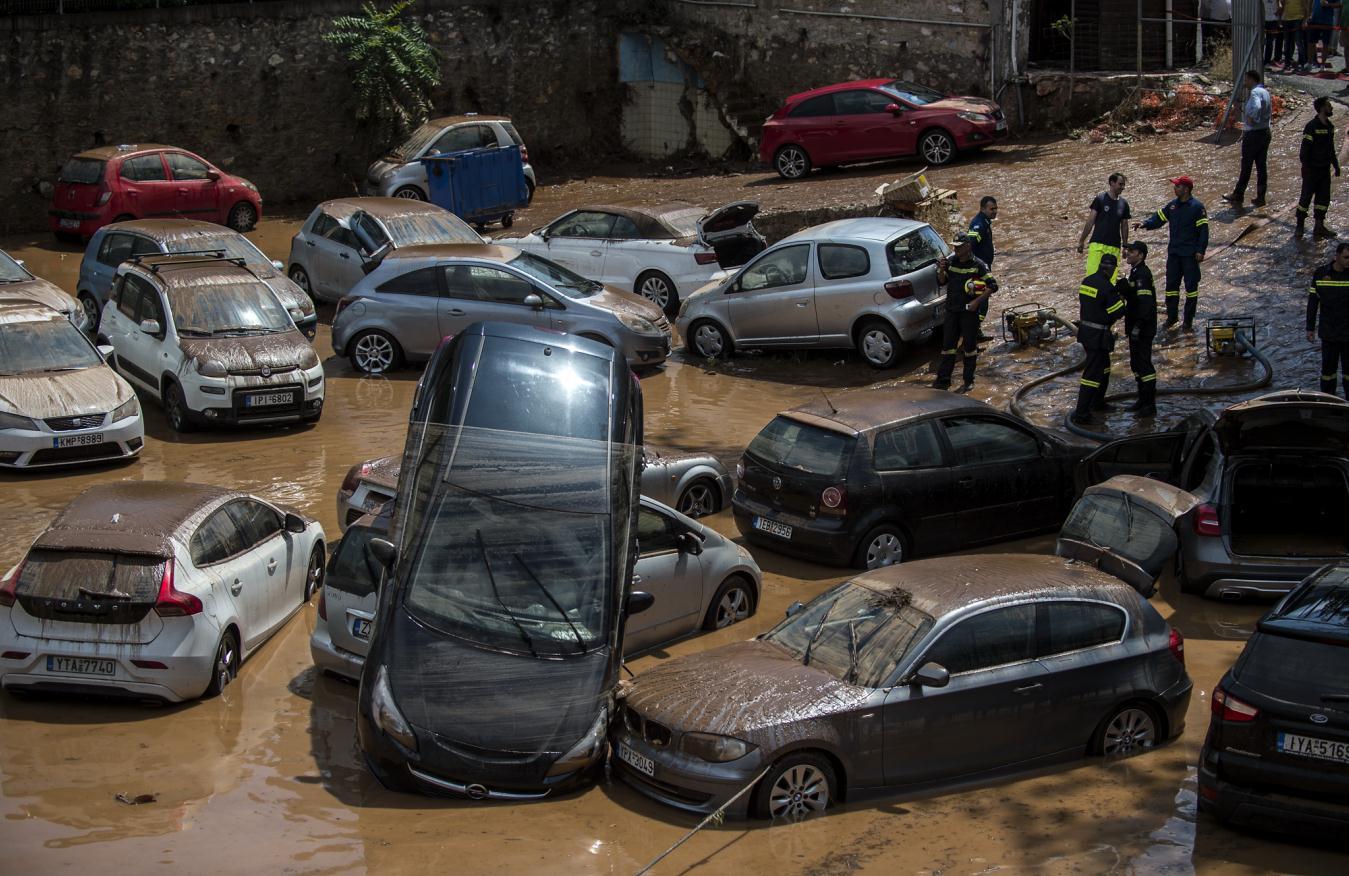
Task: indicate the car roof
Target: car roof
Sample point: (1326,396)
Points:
(861,410)
(445,121)
(491,252)
(838,86)
(123,150)
(649,218)
(17,310)
(946,585)
(380,208)
(878,228)
(139,517)
(164,230)
(176,271)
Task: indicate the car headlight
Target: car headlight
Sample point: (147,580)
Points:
(14,421)
(638,324)
(974,117)
(386,714)
(128,409)
(387,175)
(295,313)
(585,752)
(248,185)
(211,368)
(713,748)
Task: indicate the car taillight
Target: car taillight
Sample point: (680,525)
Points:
(524,153)
(835,499)
(740,470)
(9,586)
(1206,521)
(1229,708)
(341,304)
(354,475)
(899,289)
(173,602)
(705,258)
(104,196)
(323,604)
(1177,645)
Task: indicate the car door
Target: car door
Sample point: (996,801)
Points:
(270,560)
(627,254)
(485,292)
(813,125)
(138,353)
(337,263)
(773,299)
(577,241)
(146,186)
(220,550)
(410,304)
(843,289)
(985,717)
(1006,478)
(350,590)
(868,129)
(1087,669)
(670,574)
(1159,455)
(916,481)
(197,194)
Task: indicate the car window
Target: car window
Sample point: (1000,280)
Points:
(461,138)
(815,106)
(216,539)
(323,225)
(143,168)
(624,229)
(129,298)
(583,223)
(352,569)
(115,248)
(1201,459)
(854,103)
(1072,626)
(839,261)
(915,446)
(979,441)
(656,533)
(913,251)
(782,267)
(787,443)
(481,283)
(143,246)
(335,232)
(185,167)
(367,224)
(422,281)
(254,521)
(994,638)
(150,306)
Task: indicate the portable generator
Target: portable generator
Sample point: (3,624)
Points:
(1220,334)
(1029,323)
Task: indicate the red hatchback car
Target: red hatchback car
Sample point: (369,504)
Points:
(116,183)
(872,119)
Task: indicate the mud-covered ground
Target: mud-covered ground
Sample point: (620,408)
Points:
(268,778)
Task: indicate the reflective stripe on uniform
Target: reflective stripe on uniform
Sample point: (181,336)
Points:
(1172,293)
(1088,291)
(959,270)
(1194,294)
(1161,215)
(1199,222)
(1092,383)
(1146,377)
(1332,282)
(1152,292)
(1118,305)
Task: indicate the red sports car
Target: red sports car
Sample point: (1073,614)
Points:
(872,119)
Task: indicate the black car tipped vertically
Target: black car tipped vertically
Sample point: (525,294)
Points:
(495,649)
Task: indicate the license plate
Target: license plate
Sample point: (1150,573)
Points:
(70,223)
(360,628)
(644,765)
(78,440)
(1310,746)
(266,399)
(772,527)
(82,665)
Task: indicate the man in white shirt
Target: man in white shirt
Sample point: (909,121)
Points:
(1272,30)
(1254,141)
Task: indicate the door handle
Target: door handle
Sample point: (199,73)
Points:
(1028,688)
(636,579)
(271,566)
(965,482)
(344,255)
(457,311)
(803,303)
(309,243)
(596,253)
(236,587)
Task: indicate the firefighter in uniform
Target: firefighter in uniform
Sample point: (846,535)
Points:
(1099,306)
(1140,323)
(1318,157)
(1189,241)
(981,244)
(968,285)
(1329,294)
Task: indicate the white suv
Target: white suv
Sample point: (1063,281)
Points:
(212,341)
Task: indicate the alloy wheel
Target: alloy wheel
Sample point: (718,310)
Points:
(697,501)
(792,162)
(300,277)
(243,217)
(937,148)
(224,663)
(876,346)
(733,607)
(656,290)
(408,193)
(799,791)
(1129,732)
(374,353)
(885,549)
(90,307)
(709,341)
(314,574)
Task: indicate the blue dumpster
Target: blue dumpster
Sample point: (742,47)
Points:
(478,185)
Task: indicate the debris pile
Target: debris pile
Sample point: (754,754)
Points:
(913,197)
(1196,102)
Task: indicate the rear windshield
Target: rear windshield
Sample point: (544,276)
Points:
(11,271)
(1127,528)
(1320,609)
(684,222)
(512,133)
(426,228)
(50,345)
(790,444)
(911,92)
(81,170)
(353,570)
(1296,670)
(74,575)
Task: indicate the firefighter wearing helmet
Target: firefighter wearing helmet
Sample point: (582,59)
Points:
(968,284)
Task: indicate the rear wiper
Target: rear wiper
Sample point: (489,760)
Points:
(86,593)
(1335,698)
(580,642)
(805,658)
(482,549)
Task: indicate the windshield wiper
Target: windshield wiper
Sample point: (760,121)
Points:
(850,678)
(195,330)
(245,329)
(580,642)
(482,549)
(819,628)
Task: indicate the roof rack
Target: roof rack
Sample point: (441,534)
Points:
(154,259)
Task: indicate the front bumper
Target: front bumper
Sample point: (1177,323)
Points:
(331,658)
(646,350)
(1267,808)
(822,540)
(682,781)
(38,448)
(226,405)
(981,134)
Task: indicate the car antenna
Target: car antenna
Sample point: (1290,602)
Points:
(832,409)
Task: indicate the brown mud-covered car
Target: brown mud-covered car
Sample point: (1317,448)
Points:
(17,283)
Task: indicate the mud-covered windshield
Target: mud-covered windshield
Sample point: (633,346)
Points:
(223,310)
(788,443)
(420,139)
(569,283)
(48,345)
(11,271)
(856,634)
(1121,526)
(427,228)
(684,223)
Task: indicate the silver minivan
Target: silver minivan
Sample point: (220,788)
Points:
(417,295)
(867,284)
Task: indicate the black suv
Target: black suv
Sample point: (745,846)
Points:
(873,477)
(1277,752)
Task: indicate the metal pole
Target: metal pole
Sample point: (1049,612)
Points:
(1072,56)
(1199,42)
(1139,49)
(1170,35)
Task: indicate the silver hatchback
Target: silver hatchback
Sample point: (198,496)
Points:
(421,294)
(400,173)
(865,284)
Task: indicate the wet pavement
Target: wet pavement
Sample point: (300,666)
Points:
(268,777)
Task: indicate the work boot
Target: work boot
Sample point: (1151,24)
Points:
(966,386)
(1187,327)
(1083,419)
(1301,227)
(1138,404)
(1102,405)
(1259,200)
(1171,322)
(941,384)
(1322,231)
(1234,199)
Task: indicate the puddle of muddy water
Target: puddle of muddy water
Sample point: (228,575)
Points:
(268,777)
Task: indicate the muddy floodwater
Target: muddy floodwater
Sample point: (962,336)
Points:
(268,778)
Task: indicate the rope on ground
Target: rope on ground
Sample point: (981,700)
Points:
(714,817)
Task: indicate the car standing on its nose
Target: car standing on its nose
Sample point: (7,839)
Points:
(60,403)
(154,589)
(211,341)
(16,283)
(113,244)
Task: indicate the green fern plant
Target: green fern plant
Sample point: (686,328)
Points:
(393,66)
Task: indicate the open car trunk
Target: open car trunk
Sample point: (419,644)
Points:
(1289,508)
(88,596)
(730,231)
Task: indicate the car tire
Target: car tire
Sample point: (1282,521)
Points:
(91,310)
(375,352)
(659,290)
(883,546)
(800,784)
(176,410)
(879,344)
(410,193)
(791,161)
(225,666)
(1129,729)
(313,573)
(936,147)
(243,217)
(300,277)
(733,602)
(710,340)
(529,191)
(699,499)
(508,220)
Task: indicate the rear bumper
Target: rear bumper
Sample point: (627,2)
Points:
(823,540)
(331,658)
(1215,571)
(187,660)
(1269,809)
(76,222)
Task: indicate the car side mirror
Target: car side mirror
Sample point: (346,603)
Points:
(639,601)
(150,326)
(534,301)
(213,175)
(894,108)
(106,351)
(795,608)
(19,262)
(278,265)
(932,675)
(383,551)
(294,524)
(690,543)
